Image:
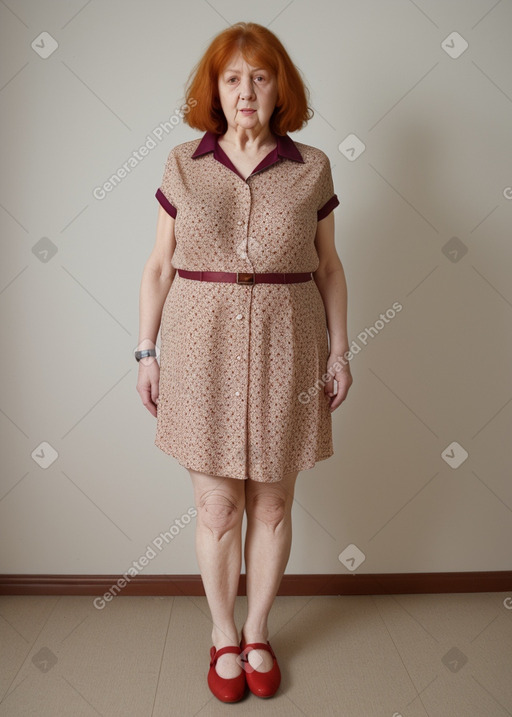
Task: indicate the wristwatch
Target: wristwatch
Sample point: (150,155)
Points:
(144,354)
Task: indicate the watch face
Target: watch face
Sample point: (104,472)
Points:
(145,353)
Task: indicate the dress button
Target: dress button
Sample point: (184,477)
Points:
(239,357)
(239,223)
(237,393)
(239,316)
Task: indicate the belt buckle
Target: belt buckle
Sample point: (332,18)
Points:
(249,277)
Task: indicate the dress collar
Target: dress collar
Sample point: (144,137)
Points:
(286,147)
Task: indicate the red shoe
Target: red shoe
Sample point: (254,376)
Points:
(225,689)
(261,684)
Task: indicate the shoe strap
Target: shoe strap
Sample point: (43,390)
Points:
(215,654)
(258,646)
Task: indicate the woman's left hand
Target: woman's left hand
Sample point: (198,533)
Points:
(341,373)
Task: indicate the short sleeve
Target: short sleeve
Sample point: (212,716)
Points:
(164,193)
(328,199)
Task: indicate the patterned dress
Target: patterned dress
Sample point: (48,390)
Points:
(241,392)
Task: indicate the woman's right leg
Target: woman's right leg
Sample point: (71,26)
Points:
(220,504)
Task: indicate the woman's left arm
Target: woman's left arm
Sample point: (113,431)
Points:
(331,282)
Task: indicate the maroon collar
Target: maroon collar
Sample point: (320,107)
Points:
(286,149)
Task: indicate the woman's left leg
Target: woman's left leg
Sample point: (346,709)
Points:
(267,549)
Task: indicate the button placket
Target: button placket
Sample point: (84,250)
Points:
(241,247)
(242,333)
(241,348)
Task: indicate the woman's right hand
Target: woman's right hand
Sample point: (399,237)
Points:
(148,384)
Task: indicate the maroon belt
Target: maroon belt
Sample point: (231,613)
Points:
(241,277)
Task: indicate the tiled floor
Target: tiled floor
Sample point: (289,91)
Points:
(359,656)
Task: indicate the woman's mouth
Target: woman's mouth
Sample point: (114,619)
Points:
(247,111)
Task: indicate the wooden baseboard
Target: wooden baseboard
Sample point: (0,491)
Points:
(313,584)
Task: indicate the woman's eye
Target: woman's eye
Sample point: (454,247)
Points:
(258,78)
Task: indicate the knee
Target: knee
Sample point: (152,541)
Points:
(270,507)
(219,511)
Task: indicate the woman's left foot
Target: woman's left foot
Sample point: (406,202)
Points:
(262,670)
(260,660)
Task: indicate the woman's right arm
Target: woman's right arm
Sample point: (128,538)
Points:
(157,277)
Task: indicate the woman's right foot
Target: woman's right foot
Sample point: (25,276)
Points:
(227,665)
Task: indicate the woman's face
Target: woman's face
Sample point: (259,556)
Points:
(247,94)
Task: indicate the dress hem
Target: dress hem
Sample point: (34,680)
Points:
(310,465)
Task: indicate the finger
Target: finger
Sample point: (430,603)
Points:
(145,394)
(329,387)
(339,398)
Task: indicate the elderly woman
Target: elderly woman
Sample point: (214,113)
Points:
(249,294)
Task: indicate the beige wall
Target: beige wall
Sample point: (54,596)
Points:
(434,181)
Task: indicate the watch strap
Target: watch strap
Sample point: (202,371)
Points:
(145,353)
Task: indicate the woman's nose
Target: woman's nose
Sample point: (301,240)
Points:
(246,89)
